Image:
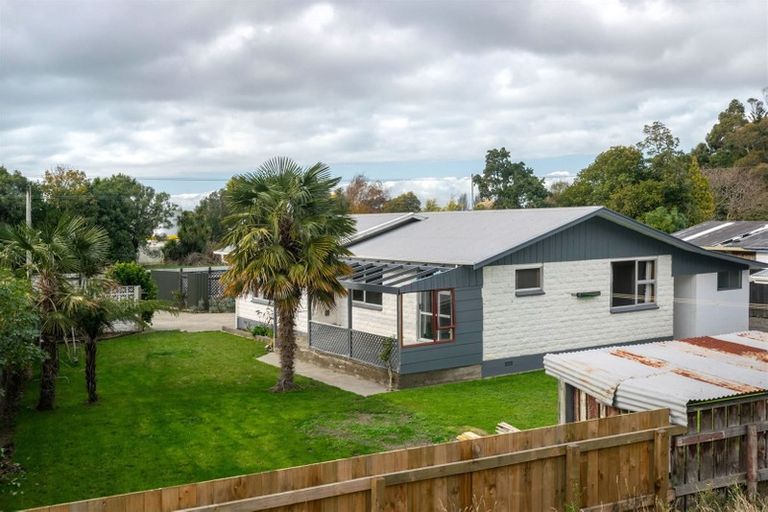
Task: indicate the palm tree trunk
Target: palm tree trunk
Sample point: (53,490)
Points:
(287,347)
(11,386)
(90,369)
(49,372)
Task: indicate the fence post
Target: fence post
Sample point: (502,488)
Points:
(573,476)
(378,488)
(137,293)
(207,299)
(751,461)
(661,467)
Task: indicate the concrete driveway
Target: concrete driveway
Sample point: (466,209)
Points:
(192,322)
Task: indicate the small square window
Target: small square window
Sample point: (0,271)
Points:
(528,280)
(729,280)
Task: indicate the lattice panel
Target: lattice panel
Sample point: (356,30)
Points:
(129,292)
(215,288)
(367,347)
(329,338)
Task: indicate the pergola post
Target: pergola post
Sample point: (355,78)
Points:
(349,321)
(400,319)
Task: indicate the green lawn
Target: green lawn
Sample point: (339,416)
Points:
(178,407)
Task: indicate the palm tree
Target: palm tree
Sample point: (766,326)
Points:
(287,236)
(92,311)
(71,246)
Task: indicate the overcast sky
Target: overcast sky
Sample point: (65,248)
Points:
(400,89)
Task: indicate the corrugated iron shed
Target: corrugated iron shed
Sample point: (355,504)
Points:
(669,374)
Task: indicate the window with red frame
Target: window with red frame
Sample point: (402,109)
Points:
(436,316)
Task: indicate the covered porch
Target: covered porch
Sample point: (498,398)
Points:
(389,308)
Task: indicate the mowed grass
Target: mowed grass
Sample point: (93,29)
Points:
(179,407)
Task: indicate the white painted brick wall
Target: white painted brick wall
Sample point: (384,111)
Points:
(516,326)
(246,308)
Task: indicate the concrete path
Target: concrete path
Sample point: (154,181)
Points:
(192,322)
(340,380)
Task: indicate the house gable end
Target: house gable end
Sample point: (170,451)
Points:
(600,238)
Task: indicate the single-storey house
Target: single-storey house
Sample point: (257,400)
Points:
(744,238)
(455,295)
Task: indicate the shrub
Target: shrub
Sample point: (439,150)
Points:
(262,330)
(133,274)
(222,305)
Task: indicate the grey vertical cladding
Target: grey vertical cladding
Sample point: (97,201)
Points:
(461,277)
(467,347)
(598,238)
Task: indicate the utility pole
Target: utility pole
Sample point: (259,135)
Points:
(471,191)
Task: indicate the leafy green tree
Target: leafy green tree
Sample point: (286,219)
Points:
(612,171)
(18,346)
(13,192)
(67,192)
(432,206)
(665,220)
(556,191)
(194,233)
(653,181)
(509,184)
(287,239)
(720,149)
(211,212)
(129,212)
(71,246)
(658,140)
(406,202)
(702,206)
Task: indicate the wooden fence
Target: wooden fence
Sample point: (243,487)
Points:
(725,445)
(621,462)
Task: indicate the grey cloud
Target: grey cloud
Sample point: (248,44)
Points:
(189,87)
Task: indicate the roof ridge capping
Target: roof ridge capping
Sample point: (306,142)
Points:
(384,227)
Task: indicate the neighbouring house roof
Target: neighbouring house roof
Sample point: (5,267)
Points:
(738,234)
(668,374)
(477,238)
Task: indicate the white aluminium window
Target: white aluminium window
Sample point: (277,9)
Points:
(633,284)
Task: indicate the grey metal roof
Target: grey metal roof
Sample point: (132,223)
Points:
(746,234)
(669,374)
(366,226)
(469,237)
(480,237)
(476,238)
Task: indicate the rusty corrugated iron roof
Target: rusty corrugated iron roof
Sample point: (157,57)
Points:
(668,374)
